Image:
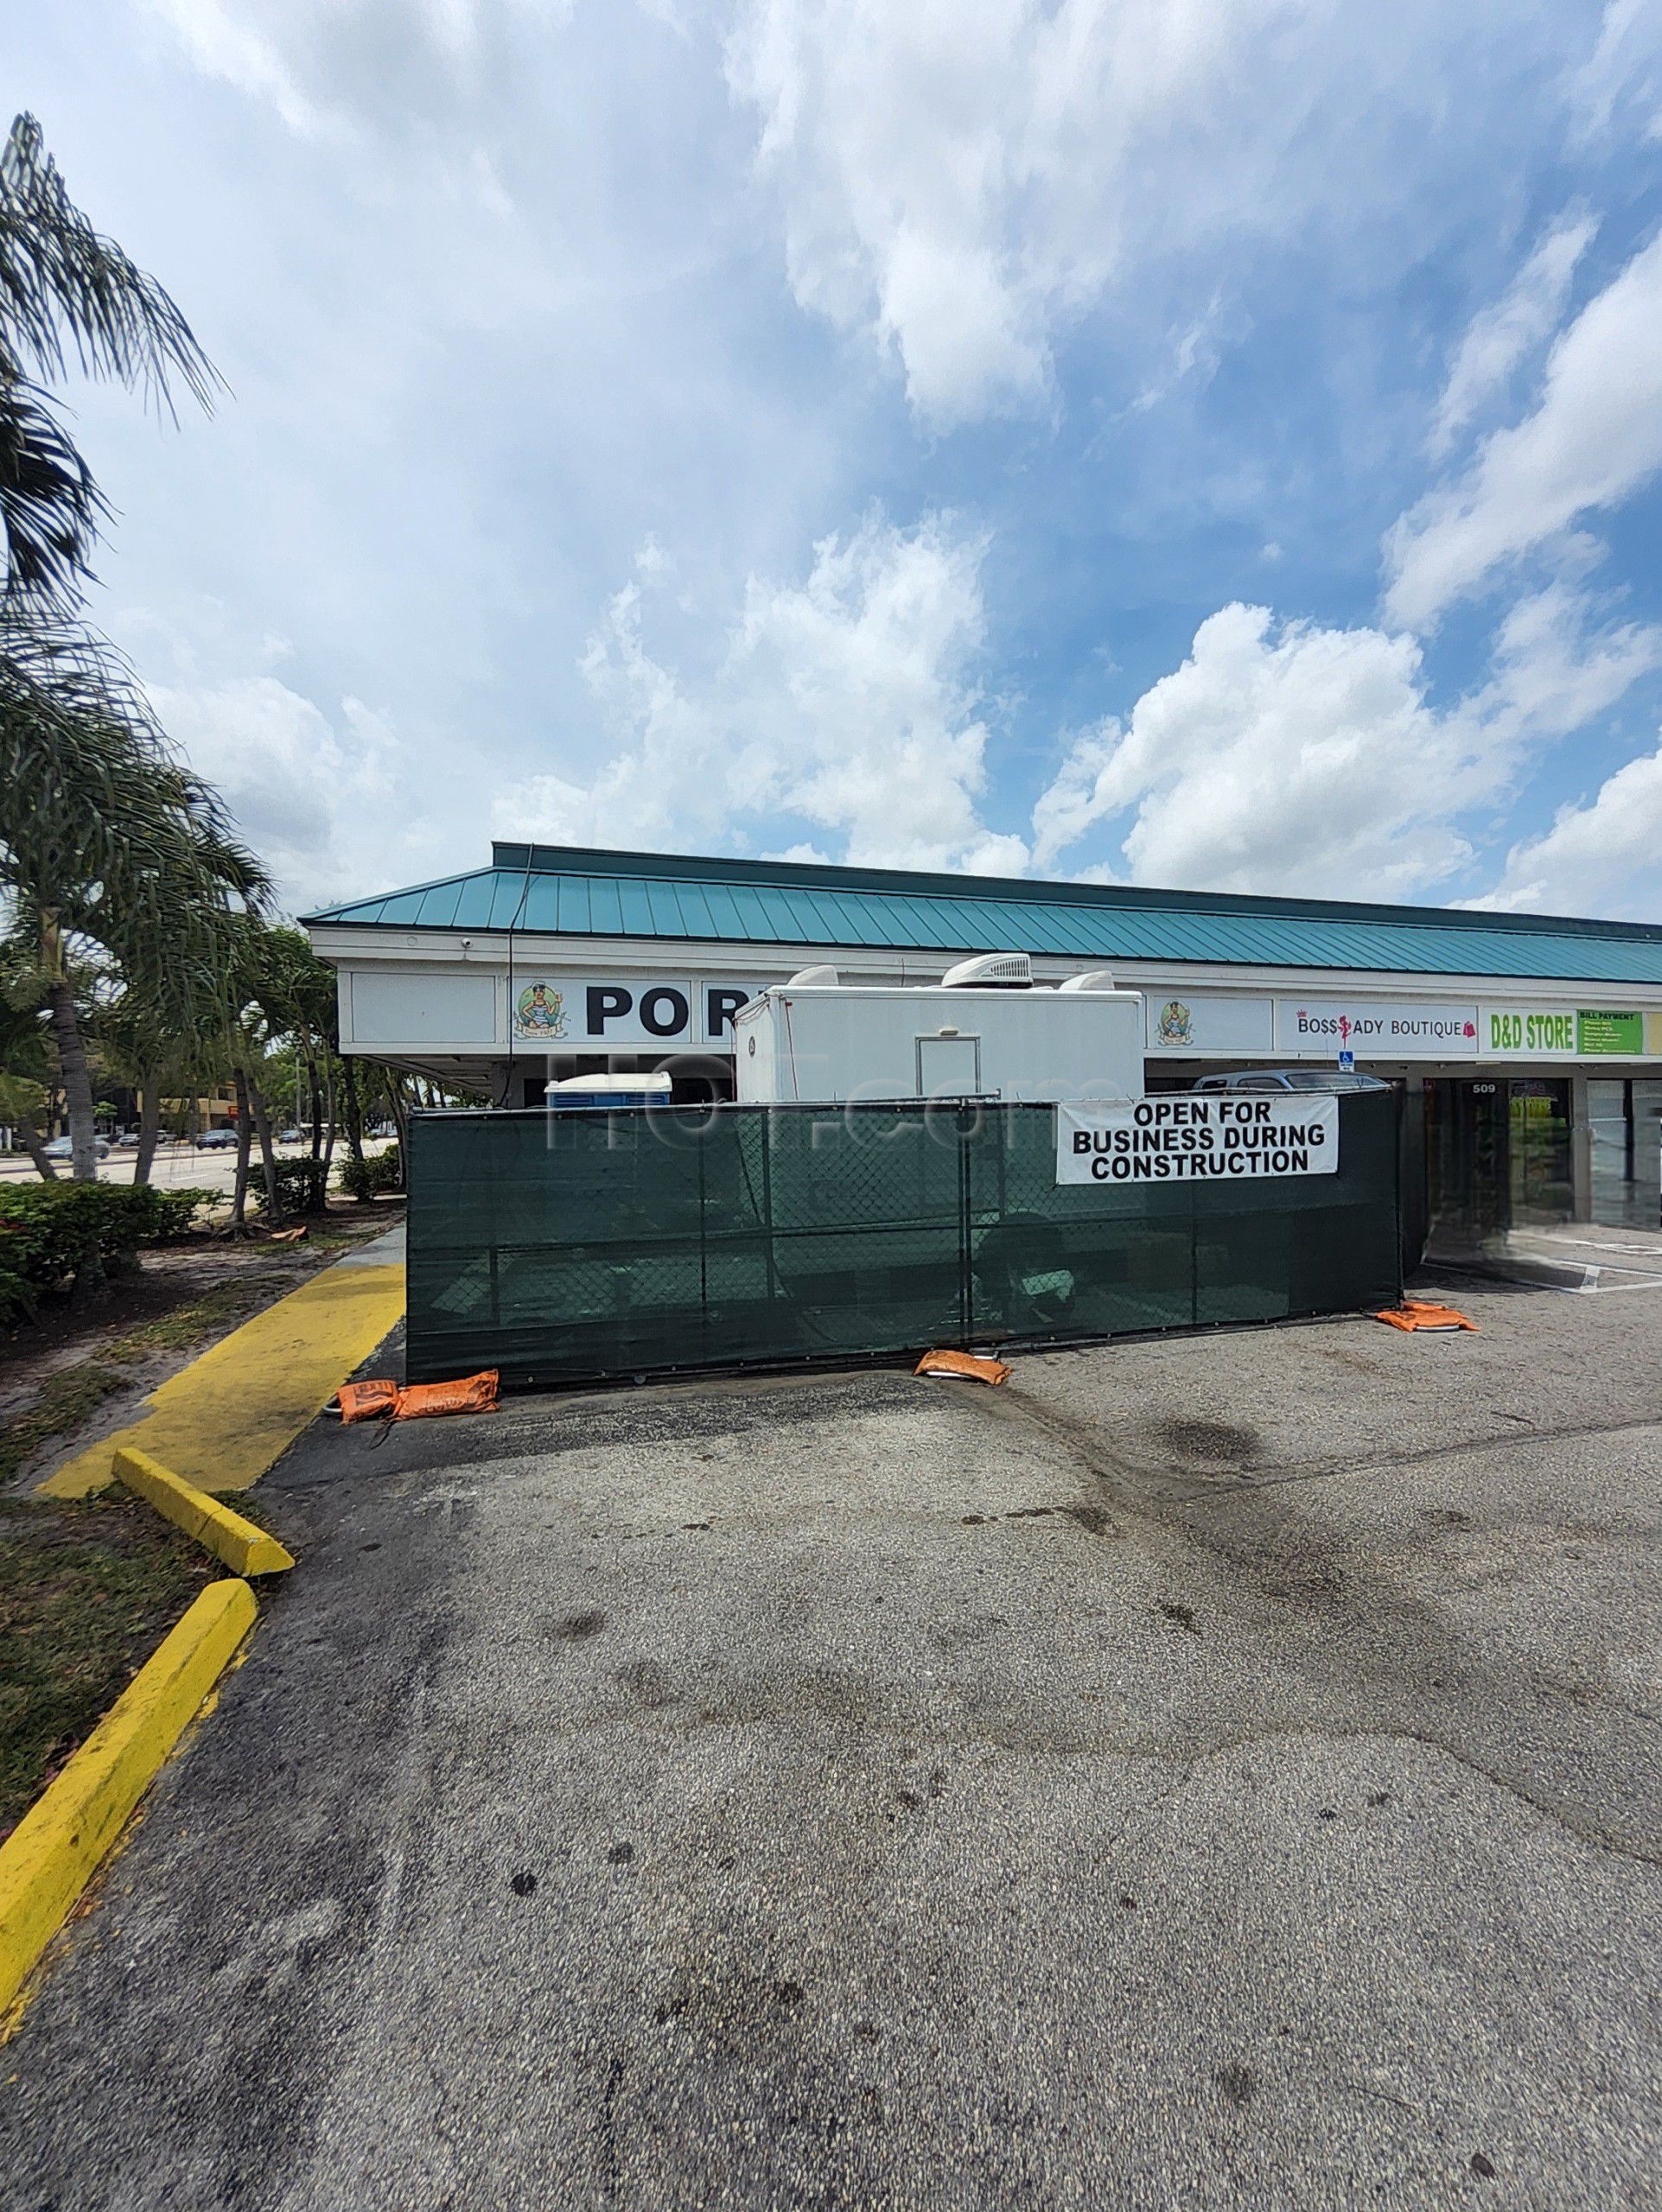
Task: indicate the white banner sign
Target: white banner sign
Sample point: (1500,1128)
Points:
(1186,1139)
(1376,1029)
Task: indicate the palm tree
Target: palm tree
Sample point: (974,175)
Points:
(67,296)
(301,999)
(105,842)
(248,1034)
(25,1075)
(144,1047)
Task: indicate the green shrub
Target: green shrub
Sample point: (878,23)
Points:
(368,1179)
(303,1186)
(163,1217)
(50,1231)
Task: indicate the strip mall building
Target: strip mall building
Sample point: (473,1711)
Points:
(1529,1048)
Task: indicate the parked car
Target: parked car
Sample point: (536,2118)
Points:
(215,1140)
(125,1140)
(290,1137)
(64,1147)
(1285,1079)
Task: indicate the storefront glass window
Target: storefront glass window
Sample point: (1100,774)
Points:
(1626,1125)
(1646,1096)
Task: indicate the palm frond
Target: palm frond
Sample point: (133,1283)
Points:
(68,293)
(106,838)
(50,509)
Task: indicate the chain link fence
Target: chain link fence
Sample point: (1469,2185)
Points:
(577,1247)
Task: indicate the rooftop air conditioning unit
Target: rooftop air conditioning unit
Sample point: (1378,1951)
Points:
(990,972)
(819,977)
(1094,979)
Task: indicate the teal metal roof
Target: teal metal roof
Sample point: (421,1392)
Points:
(568,891)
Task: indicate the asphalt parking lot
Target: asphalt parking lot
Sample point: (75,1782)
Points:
(1211,1772)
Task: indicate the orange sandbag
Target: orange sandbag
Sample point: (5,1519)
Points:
(367,1401)
(475,1394)
(1422,1313)
(962,1362)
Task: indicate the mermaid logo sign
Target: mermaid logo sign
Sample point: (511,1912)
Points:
(539,1013)
(1205,1022)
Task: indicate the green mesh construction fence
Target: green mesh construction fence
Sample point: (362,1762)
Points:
(576,1246)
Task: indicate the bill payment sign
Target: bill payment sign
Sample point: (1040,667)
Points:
(1216,1139)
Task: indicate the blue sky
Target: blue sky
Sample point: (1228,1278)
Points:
(1214,442)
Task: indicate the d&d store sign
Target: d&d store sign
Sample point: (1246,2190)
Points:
(1588,1033)
(1193,1139)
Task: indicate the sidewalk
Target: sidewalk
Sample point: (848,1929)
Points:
(1570,1256)
(223,1420)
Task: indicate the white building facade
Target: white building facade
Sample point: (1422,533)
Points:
(1528,1049)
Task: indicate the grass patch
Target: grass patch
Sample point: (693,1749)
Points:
(74,1394)
(187,1324)
(67,1399)
(87,1591)
(252,1506)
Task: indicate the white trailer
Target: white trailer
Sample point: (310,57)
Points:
(986,1031)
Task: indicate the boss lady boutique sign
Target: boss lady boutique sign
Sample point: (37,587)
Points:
(1376,1029)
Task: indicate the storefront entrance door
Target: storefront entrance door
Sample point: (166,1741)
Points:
(1543,1189)
(1497,1156)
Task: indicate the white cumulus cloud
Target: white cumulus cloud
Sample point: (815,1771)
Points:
(1594,436)
(958,175)
(1553,672)
(1277,758)
(1603,857)
(335,64)
(961,181)
(845,703)
(1503,336)
(1293,758)
(1624,71)
(307,790)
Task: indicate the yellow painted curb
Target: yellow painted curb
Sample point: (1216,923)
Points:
(244,1548)
(48,1858)
(223,1420)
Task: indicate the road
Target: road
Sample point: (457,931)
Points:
(1215,1772)
(176,1167)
